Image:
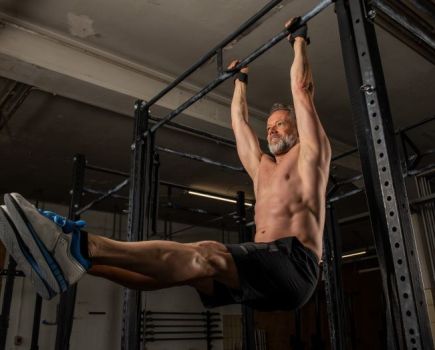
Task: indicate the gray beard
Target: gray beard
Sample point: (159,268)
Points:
(284,144)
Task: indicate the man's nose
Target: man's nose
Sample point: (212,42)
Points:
(272,130)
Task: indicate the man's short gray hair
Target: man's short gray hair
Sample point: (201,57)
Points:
(283,107)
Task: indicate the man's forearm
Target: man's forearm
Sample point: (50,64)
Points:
(239,105)
(300,72)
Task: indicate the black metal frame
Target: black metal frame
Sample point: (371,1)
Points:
(65,313)
(225,75)
(131,328)
(332,261)
(386,193)
(208,321)
(143,194)
(141,178)
(7,300)
(245,235)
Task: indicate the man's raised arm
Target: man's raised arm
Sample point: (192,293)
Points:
(248,147)
(312,137)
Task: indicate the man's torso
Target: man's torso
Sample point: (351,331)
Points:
(290,200)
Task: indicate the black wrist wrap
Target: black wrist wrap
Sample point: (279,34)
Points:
(243,77)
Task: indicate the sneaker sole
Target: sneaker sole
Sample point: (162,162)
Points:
(25,262)
(40,236)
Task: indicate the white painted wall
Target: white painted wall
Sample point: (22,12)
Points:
(103,332)
(423,259)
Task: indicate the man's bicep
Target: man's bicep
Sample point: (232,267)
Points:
(310,129)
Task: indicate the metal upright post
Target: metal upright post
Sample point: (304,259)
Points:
(385,188)
(67,299)
(139,181)
(36,323)
(247,312)
(333,284)
(7,300)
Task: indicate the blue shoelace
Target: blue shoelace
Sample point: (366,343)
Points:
(70,226)
(67,225)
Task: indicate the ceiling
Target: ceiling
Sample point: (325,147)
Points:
(89,61)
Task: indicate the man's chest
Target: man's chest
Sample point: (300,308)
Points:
(274,177)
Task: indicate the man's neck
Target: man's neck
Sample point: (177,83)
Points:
(280,157)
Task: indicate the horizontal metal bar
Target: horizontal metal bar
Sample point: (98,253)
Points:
(184,332)
(203,319)
(92,191)
(254,55)
(203,223)
(418,172)
(214,50)
(350,180)
(148,325)
(180,313)
(201,159)
(218,139)
(172,339)
(398,131)
(107,170)
(102,197)
(353,218)
(16,273)
(404,22)
(344,154)
(416,125)
(423,200)
(344,195)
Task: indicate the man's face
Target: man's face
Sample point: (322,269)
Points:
(281,132)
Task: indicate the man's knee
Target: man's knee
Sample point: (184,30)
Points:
(215,254)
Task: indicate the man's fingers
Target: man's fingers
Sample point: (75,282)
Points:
(289,22)
(233,64)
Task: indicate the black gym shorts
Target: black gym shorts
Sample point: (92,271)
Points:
(280,275)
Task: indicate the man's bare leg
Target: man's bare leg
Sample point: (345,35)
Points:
(165,263)
(134,280)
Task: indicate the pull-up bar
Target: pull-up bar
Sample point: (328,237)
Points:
(229,73)
(218,48)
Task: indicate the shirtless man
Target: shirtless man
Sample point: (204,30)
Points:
(278,271)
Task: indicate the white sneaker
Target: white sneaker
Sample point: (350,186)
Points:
(57,254)
(18,250)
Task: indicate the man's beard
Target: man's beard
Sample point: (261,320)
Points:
(284,144)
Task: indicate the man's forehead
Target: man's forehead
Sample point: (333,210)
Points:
(278,115)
